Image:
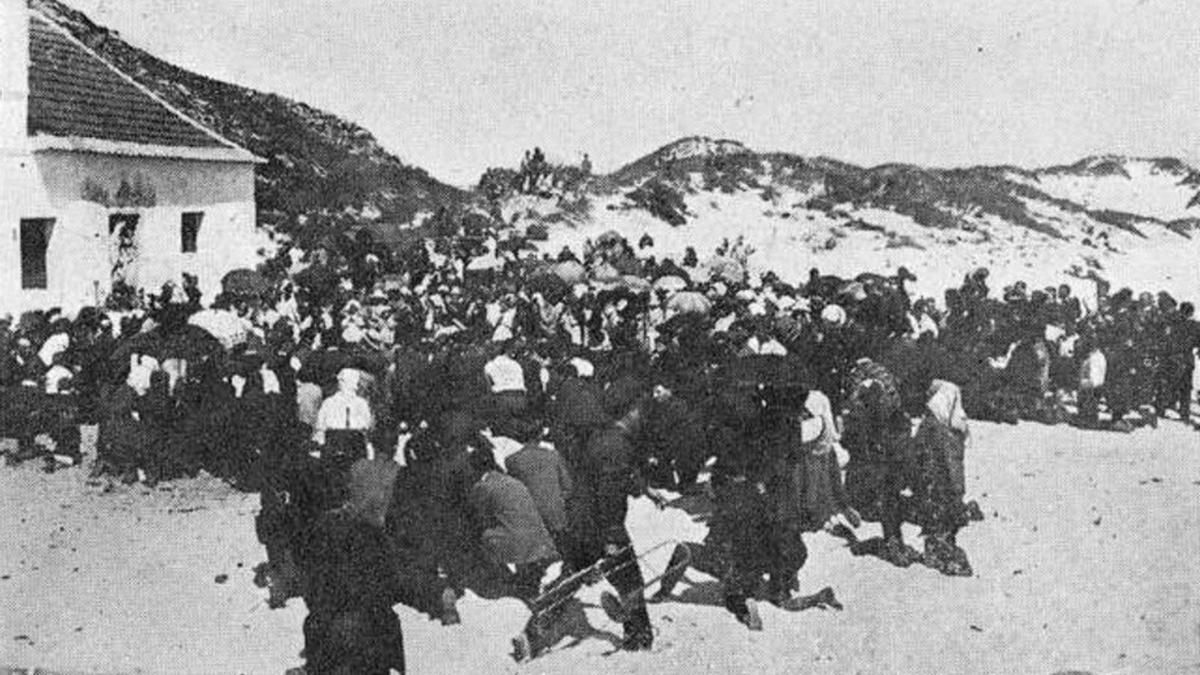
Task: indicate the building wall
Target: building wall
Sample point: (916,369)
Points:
(81,190)
(14,74)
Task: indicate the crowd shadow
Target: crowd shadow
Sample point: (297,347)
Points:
(564,627)
(709,593)
(570,623)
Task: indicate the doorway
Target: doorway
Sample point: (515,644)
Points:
(123,248)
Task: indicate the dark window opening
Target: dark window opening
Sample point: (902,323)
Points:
(189,231)
(35,241)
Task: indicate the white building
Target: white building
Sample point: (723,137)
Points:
(102,181)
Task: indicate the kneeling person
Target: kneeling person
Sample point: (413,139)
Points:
(512,530)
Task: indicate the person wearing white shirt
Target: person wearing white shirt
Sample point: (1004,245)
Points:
(309,398)
(58,378)
(53,346)
(344,420)
(508,403)
(1093,372)
(504,373)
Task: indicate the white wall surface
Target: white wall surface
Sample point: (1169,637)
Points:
(14,74)
(81,190)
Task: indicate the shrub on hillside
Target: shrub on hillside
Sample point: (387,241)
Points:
(820,203)
(445,223)
(577,206)
(729,173)
(1120,220)
(661,201)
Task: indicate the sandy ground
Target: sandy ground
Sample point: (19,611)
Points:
(1089,560)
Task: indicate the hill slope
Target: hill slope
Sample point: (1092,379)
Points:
(317,163)
(1123,219)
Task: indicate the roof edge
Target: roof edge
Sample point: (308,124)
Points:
(139,86)
(46,142)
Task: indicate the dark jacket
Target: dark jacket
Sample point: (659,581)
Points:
(542,470)
(579,403)
(610,476)
(120,434)
(351,585)
(513,532)
(346,564)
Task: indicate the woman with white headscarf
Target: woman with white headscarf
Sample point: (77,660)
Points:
(938,480)
(944,413)
(824,492)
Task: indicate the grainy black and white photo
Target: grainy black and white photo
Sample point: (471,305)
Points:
(652,337)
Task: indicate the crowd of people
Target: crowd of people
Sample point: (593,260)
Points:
(464,412)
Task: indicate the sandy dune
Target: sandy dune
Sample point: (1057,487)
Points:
(1089,560)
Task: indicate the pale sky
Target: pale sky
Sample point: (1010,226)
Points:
(457,86)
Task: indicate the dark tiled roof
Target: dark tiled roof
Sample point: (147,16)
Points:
(73,93)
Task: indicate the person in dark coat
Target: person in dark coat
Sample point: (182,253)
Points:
(625,383)
(544,473)
(608,475)
(1069,309)
(535,387)
(188,394)
(441,465)
(10,365)
(121,434)
(252,422)
(23,412)
(405,381)
(349,590)
(465,383)
(156,411)
(296,490)
(512,531)
(212,423)
(578,409)
(876,436)
(1122,382)
(1179,363)
(286,477)
(674,436)
(784,450)
(760,514)
(412,527)
(578,413)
